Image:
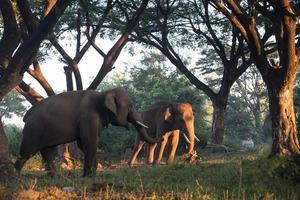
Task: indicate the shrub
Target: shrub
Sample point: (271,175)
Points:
(14,136)
(115,140)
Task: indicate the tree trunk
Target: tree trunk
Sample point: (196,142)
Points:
(218,123)
(257,118)
(68,153)
(284,130)
(69,79)
(115,51)
(7,170)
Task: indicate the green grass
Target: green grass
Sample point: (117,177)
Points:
(216,176)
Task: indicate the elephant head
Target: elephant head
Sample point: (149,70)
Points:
(123,112)
(181,116)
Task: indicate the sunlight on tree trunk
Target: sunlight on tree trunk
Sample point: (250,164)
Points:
(49,6)
(279,77)
(285,139)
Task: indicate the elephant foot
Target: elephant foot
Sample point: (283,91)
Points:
(149,163)
(19,165)
(133,165)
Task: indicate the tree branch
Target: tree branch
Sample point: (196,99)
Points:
(29,93)
(114,52)
(38,75)
(26,52)
(9,41)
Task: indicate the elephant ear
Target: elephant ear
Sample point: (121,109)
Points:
(169,115)
(110,103)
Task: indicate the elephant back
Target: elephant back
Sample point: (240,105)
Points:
(155,115)
(59,100)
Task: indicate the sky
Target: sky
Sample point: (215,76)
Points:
(89,66)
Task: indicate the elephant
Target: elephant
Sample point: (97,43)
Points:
(76,116)
(166,120)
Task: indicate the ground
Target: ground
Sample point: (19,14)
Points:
(232,175)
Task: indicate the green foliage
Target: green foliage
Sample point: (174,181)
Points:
(153,80)
(13,103)
(238,122)
(14,136)
(247,110)
(116,140)
(266,131)
(288,168)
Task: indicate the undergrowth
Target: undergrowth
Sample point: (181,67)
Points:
(216,176)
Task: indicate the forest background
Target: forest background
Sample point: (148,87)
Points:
(196,41)
(237,63)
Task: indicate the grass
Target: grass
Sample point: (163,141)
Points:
(217,176)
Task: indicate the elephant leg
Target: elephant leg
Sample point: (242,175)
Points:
(173,146)
(90,163)
(48,155)
(20,162)
(26,152)
(161,149)
(89,129)
(138,145)
(150,156)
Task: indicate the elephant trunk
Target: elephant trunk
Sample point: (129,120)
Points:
(138,122)
(190,134)
(143,133)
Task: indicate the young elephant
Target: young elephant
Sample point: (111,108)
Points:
(77,115)
(166,119)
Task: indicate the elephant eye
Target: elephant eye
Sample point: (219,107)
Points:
(130,107)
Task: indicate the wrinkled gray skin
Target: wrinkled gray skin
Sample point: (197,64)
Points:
(77,115)
(166,120)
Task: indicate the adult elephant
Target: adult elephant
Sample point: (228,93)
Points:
(166,119)
(76,115)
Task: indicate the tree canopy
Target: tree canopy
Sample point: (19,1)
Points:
(225,38)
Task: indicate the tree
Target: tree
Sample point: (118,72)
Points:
(238,121)
(17,55)
(12,104)
(297,100)
(280,20)
(15,59)
(251,90)
(168,28)
(6,169)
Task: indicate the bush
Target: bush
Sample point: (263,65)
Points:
(115,140)
(14,136)
(290,168)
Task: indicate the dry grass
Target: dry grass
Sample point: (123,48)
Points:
(215,176)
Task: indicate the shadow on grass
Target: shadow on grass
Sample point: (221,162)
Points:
(216,176)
